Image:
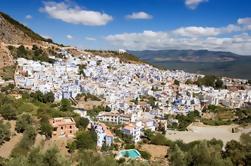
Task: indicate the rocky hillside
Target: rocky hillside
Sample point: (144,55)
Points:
(5,56)
(13,35)
(13,32)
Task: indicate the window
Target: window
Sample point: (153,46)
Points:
(62,128)
(70,131)
(70,127)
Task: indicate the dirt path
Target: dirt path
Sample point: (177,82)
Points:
(156,151)
(7,147)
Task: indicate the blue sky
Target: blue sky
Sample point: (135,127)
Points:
(139,24)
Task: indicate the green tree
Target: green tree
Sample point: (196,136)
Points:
(72,146)
(81,122)
(23,121)
(23,147)
(86,140)
(159,139)
(18,161)
(148,133)
(4,132)
(50,158)
(88,158)
(38,95)
(65,105)
(219,84)
(49,97)
(178,157)
(198,153)
(176,82)
(22,52)
(35,157)
(8,111)
(245,139)
(236,152)
(45,128)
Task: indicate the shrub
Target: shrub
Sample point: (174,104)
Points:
(65,105)
(86,140)
(4,132)
(145,154)
(160,139)
(81,122)
(45,127)
(8,112)
(23,121)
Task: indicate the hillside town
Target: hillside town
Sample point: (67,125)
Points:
(125,83)
(123,87)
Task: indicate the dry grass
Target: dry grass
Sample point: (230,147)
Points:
(59,143)
(88,105)
(156,151)
(158,154)
(7,147)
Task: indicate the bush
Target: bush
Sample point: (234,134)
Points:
(96,110)
(4,132)
(198,153)
(45,127)
(44,98)
(81,122)
(72,146)
(129,146)
(23,121)
(145,154)
(26,143)
(159,139)
(210,80)
(86,140)
(8,112)
(65,105)
(176,82)
(7,73)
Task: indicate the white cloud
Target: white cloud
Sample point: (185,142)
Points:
(28,17)
(193,31)
(245,21)
(139,15)
(211,38)
(69,36)
(193,4)
(163,40)
(90,38)
(75,14)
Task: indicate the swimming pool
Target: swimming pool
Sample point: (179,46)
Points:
(130,153)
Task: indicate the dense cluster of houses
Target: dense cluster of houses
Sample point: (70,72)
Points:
(119,83)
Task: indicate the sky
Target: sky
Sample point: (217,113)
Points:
(220,25)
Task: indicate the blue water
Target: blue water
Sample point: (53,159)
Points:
(131,153)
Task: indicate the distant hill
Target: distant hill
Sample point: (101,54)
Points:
(200,61)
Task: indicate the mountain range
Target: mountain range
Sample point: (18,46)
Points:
(199,61)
